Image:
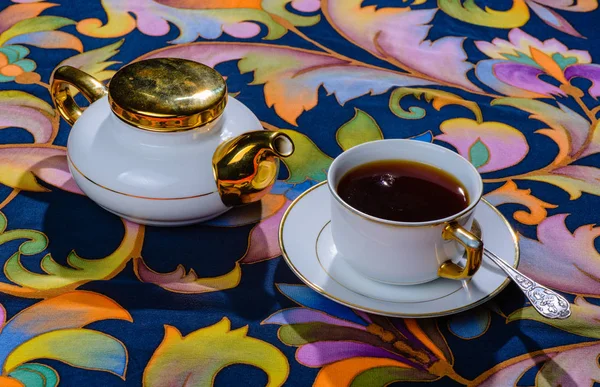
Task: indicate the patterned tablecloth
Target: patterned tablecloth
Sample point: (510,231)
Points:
(87,299)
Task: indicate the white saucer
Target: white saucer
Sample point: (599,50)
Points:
(307,247)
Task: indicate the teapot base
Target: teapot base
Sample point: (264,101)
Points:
(170,212)
(163,223)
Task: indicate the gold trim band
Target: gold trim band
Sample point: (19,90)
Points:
(130,195)
(320,290)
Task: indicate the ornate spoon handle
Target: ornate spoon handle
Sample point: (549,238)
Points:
(547,302)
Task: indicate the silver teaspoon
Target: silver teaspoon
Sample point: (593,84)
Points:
(547,302)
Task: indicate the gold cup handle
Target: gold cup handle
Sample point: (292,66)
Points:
(66,76)
(474,250)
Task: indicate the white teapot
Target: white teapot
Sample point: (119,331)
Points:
(163,144)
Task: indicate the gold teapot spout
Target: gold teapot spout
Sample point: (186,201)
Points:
(247,166)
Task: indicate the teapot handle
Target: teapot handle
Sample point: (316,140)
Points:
(66,76)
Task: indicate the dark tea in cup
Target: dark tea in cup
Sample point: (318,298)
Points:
(403,190)
(402,211)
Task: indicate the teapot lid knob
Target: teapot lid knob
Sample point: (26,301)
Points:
(167,94)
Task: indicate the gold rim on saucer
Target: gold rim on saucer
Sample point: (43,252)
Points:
(321,291)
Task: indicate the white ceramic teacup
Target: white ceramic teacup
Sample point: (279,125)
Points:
(406,253)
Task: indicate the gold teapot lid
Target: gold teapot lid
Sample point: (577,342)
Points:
(167,94)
